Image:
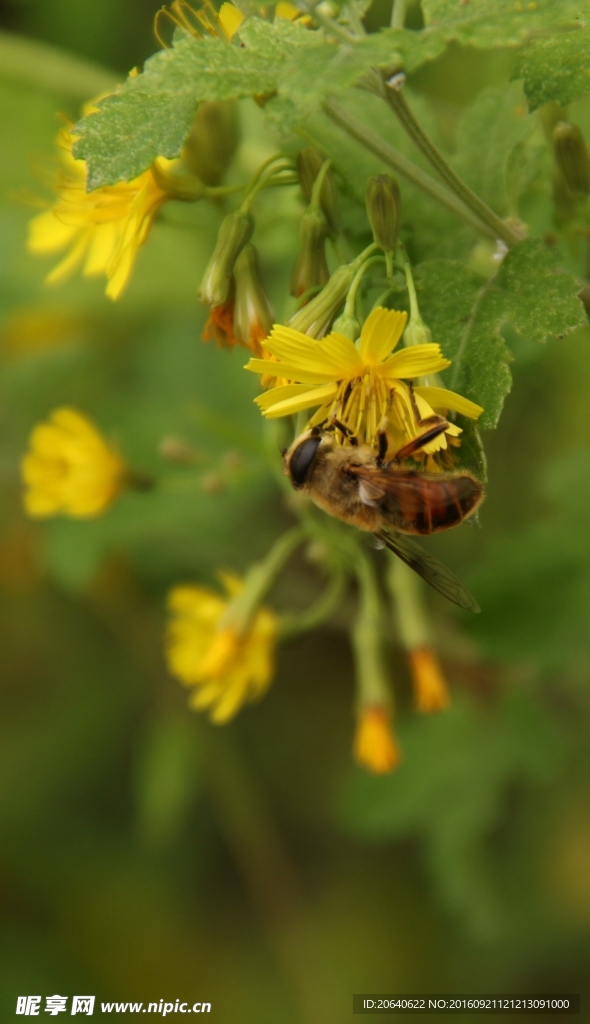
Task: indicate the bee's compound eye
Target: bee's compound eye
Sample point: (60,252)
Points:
(302,460)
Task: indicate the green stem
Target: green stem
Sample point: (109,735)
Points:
(318,185)
(398,13)
(261,179)
(404,587)
(293,625)
(372,682)
(414,310)
(331,27)
(396,100)
(349,308)
(390,156)
(259,579)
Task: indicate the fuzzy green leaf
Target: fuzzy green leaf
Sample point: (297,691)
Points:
(488,23)
(311,75)
(555,69)
(466,315)
(151,114)
(492,126)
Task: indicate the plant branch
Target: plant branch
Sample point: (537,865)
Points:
(396,100)
(398,13)
(382,149)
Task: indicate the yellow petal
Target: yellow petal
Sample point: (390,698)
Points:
(440,398)
(287,10)
(416,361)
(305,401)
(231,19)
(380,334)
(293,372)
(48,234)
(280,394)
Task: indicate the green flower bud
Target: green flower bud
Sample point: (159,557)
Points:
(311,268)
(316,317)
(348,326)
(253,317)
(309,164)
(383,208)
(571,156)
(212,141)
(565,203)
(235,232)
(417,333)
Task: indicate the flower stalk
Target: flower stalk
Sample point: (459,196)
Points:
(396,101)
(390,156)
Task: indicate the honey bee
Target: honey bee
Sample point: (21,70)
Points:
(386,498)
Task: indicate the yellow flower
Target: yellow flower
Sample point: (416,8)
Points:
(69,469)
(223,23)
(430,688)
(225,669)
(359,384)
(102,230)
(375,746)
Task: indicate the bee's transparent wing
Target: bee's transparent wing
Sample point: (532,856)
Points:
(430,569)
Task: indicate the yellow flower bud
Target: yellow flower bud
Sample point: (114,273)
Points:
(311,268)
(69,468)
(383,210)
(235,232)
(430,688)
(375,747)
(572,157)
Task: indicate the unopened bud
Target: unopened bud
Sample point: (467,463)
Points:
(383,207)
(347,325)
(252,311)
(212,140)
(235,232)
(309,164)
(564,201)
(311,268)
(417,333)
(572,157)
(316,317)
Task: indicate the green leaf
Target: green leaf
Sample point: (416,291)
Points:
(488,23)
(451,789)
(492,126)
(314,73)
(555,69)
(466,316)
(151,114)
(534,582)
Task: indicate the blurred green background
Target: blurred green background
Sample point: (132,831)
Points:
(147,855)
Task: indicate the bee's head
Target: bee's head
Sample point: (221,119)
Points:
(300,458)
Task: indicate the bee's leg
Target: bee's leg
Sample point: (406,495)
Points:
(382,442)
(435,426)
(417,443)
(345,431)
(428,420)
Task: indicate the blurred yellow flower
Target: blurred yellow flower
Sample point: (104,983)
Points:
(430,689)
(375,746)
(102,230)
(69,469)
(226,668)
(223,23)
(358,385)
